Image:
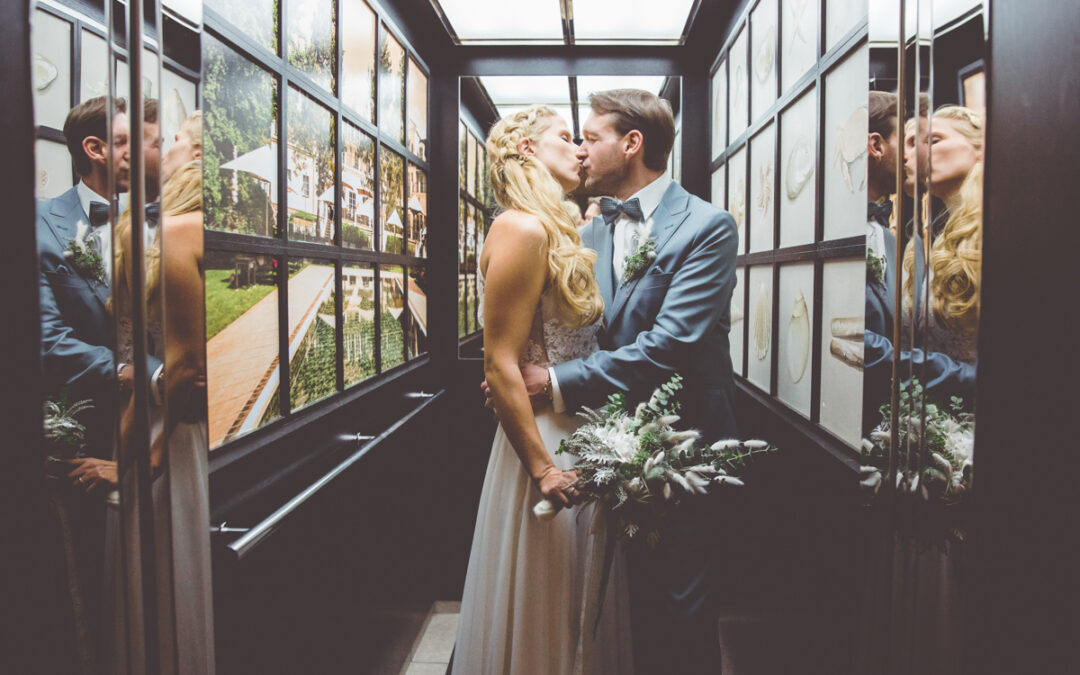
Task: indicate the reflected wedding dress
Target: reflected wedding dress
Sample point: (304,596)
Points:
(522,603)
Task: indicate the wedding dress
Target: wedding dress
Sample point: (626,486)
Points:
(525,583)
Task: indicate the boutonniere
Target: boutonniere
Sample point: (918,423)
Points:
(635,263)
(875,266)
(86,260)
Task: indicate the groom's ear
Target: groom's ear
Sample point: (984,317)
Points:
(633,143)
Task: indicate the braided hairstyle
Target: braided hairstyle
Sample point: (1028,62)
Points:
(523,183)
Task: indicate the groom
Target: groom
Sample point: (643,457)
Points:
(661,315)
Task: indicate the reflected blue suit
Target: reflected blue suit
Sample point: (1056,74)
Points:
(673,318)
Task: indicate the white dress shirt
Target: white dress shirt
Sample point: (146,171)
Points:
(87,197)
(627,236)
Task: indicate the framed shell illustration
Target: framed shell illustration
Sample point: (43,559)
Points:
(846,343)
(45,72)
(800,167)
(765,179)
(843,300)
(737,202)
(798,353)
(765,55)
(851,148)
(798,39)
(762,328)
(739,87)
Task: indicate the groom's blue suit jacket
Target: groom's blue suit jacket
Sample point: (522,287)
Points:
(673,318)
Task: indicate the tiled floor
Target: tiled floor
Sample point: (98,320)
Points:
(432,649)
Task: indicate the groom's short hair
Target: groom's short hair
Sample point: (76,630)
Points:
(648,113)
(89,118)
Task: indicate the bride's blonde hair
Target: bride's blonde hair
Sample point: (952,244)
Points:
(523,183)
(956,255)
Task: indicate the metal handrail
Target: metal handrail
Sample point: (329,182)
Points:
(244,544)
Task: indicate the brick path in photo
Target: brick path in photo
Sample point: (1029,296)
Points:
(241,358)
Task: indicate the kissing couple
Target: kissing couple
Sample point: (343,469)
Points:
(571,316)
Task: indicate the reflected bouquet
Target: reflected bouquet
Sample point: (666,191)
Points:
(939,470)
(639,467)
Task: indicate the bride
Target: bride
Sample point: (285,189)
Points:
(525,583)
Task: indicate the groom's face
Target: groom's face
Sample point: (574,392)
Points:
(601,155)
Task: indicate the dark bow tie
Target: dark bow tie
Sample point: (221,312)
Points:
(99,214)
(153,213)
(611,209)
(879,212)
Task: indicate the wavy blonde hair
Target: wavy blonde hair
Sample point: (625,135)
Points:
(524,183)
(182,194)
(956,254)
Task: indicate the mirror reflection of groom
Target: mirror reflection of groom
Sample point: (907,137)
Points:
(77,339)
(673,316)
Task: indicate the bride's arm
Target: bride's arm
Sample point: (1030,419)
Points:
(514,264)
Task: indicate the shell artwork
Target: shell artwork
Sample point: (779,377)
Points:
(762,322)
(43,180)
(798,338)
(766,55)
(737,203)
(45,72)
(765,179)
(175,111)
(798,8)
(738,84)
(849,352)
(848,327)
(851,147)
(800,167)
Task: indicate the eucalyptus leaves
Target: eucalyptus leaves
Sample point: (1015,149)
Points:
(638,466)
(86,261)
(635,264)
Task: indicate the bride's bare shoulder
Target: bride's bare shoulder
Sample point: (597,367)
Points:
(517,228)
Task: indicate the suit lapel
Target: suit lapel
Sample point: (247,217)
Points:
(64,214)
(603,245)
(669,215)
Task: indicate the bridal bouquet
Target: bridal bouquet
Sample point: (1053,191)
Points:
(63,431)
(944,470)
(638,466)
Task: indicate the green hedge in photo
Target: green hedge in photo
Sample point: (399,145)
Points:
(224,304)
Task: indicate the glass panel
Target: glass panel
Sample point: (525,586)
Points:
(241,342)
(313,39)
(178,100)
(463,304)
(311,170)
(94,79)
(470,167)
(471,308)
(759,370)
(842,307)
(846,120)
(798,131)
(53,169)
(416,222)
(719,110)
(51,40)
(462,232)
(800,38)
(718,186)
(312,332)
(392,88)
(240,160)
(357,189)
(736,336)
(501,20)
(795,336)
(418,99)
(840,17)
(523,91)
(587,84)
(470,240)
(463,145)
(255,18)
(417,312)
(358,58)
(739,87)
(736,196)
(392,194)
(763,57)
(630,20)
(394,317)
(358,330)
(762,215)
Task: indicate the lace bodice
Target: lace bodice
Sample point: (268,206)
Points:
(551,341)
(956,344)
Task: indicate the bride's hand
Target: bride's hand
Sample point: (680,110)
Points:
(555,485)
